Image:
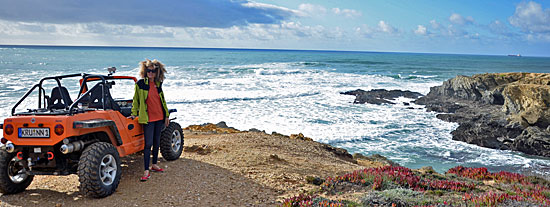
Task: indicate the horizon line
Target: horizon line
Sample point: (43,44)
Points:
(258,49)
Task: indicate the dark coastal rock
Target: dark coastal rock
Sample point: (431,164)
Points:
(314,180)
(339,152)
(300,136)
(479,124)
(256,130)
(500,111)
(223,125)
(374,158)
(427,170)
(533,138)
(528,104)
(484,87)
(380,96)
(219,128)
(441,107)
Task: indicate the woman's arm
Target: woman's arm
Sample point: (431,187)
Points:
(135,102)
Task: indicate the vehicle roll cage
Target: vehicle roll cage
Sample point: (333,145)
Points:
(83,87)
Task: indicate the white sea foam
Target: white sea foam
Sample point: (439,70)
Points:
(277,97)
(294,97)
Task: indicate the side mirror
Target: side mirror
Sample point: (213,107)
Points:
(111,70)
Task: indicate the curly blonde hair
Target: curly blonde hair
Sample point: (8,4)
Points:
(143,65)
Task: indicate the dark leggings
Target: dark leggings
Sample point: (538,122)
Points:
(151,132)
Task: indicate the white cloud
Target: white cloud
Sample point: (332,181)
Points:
(538,37)
(12,29)
(264,6)
(460,20)
(83,34)
(297,30)
(385,27)
(456,31)
(435,24)
(421,30)
(364,31)
(530,17)
(349,13)
(381,29)
(84,30)
(258,32)
(110,34)
(336,33)
(312,10)
(474,36)
(500,28)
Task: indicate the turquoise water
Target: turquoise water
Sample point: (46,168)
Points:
(294,91)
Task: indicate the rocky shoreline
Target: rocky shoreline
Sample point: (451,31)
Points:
(222,166)
(341,153)
(377,182)
(508,111)
(380,96)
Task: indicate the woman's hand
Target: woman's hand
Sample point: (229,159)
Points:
(166,122)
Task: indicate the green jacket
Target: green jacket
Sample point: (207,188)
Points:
(139,106)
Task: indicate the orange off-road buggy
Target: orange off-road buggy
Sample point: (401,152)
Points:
(86,136)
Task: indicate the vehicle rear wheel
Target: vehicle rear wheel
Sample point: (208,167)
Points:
(13,179)
(171,142)
(99,170)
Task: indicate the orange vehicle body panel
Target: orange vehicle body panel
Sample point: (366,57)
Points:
(132,139)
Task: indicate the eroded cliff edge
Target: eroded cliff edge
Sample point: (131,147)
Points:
(499,110)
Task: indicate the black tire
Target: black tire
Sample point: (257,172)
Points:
(171,142)
(99,170)
(12,180)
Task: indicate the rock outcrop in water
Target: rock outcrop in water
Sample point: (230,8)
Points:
(501,111)
(380,96)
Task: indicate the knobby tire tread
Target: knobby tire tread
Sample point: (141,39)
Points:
(166,142)
(6,185)
(88,170)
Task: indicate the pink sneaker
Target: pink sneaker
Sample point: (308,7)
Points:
(145,178)
(157,170)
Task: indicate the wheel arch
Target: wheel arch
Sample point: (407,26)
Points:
(107,126)
(100,135)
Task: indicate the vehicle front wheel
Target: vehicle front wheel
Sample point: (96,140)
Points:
(99,170)
(171,142)
(13,178)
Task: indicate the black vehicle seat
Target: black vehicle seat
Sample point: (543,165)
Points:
(126,111)
(85,99)
(96,100)
(59,96)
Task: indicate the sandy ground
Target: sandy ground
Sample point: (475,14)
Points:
(240,169)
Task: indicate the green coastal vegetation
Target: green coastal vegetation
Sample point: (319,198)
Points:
(507,111)
(400,186)
(385,183)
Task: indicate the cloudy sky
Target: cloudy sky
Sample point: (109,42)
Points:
(466,27)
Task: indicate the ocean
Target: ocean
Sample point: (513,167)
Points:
(292,92)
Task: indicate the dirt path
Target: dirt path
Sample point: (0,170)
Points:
(185,183)
(241,169)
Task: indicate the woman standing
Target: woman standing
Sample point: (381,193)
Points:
(150,107)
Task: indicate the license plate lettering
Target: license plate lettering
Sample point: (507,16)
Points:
(34,132)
